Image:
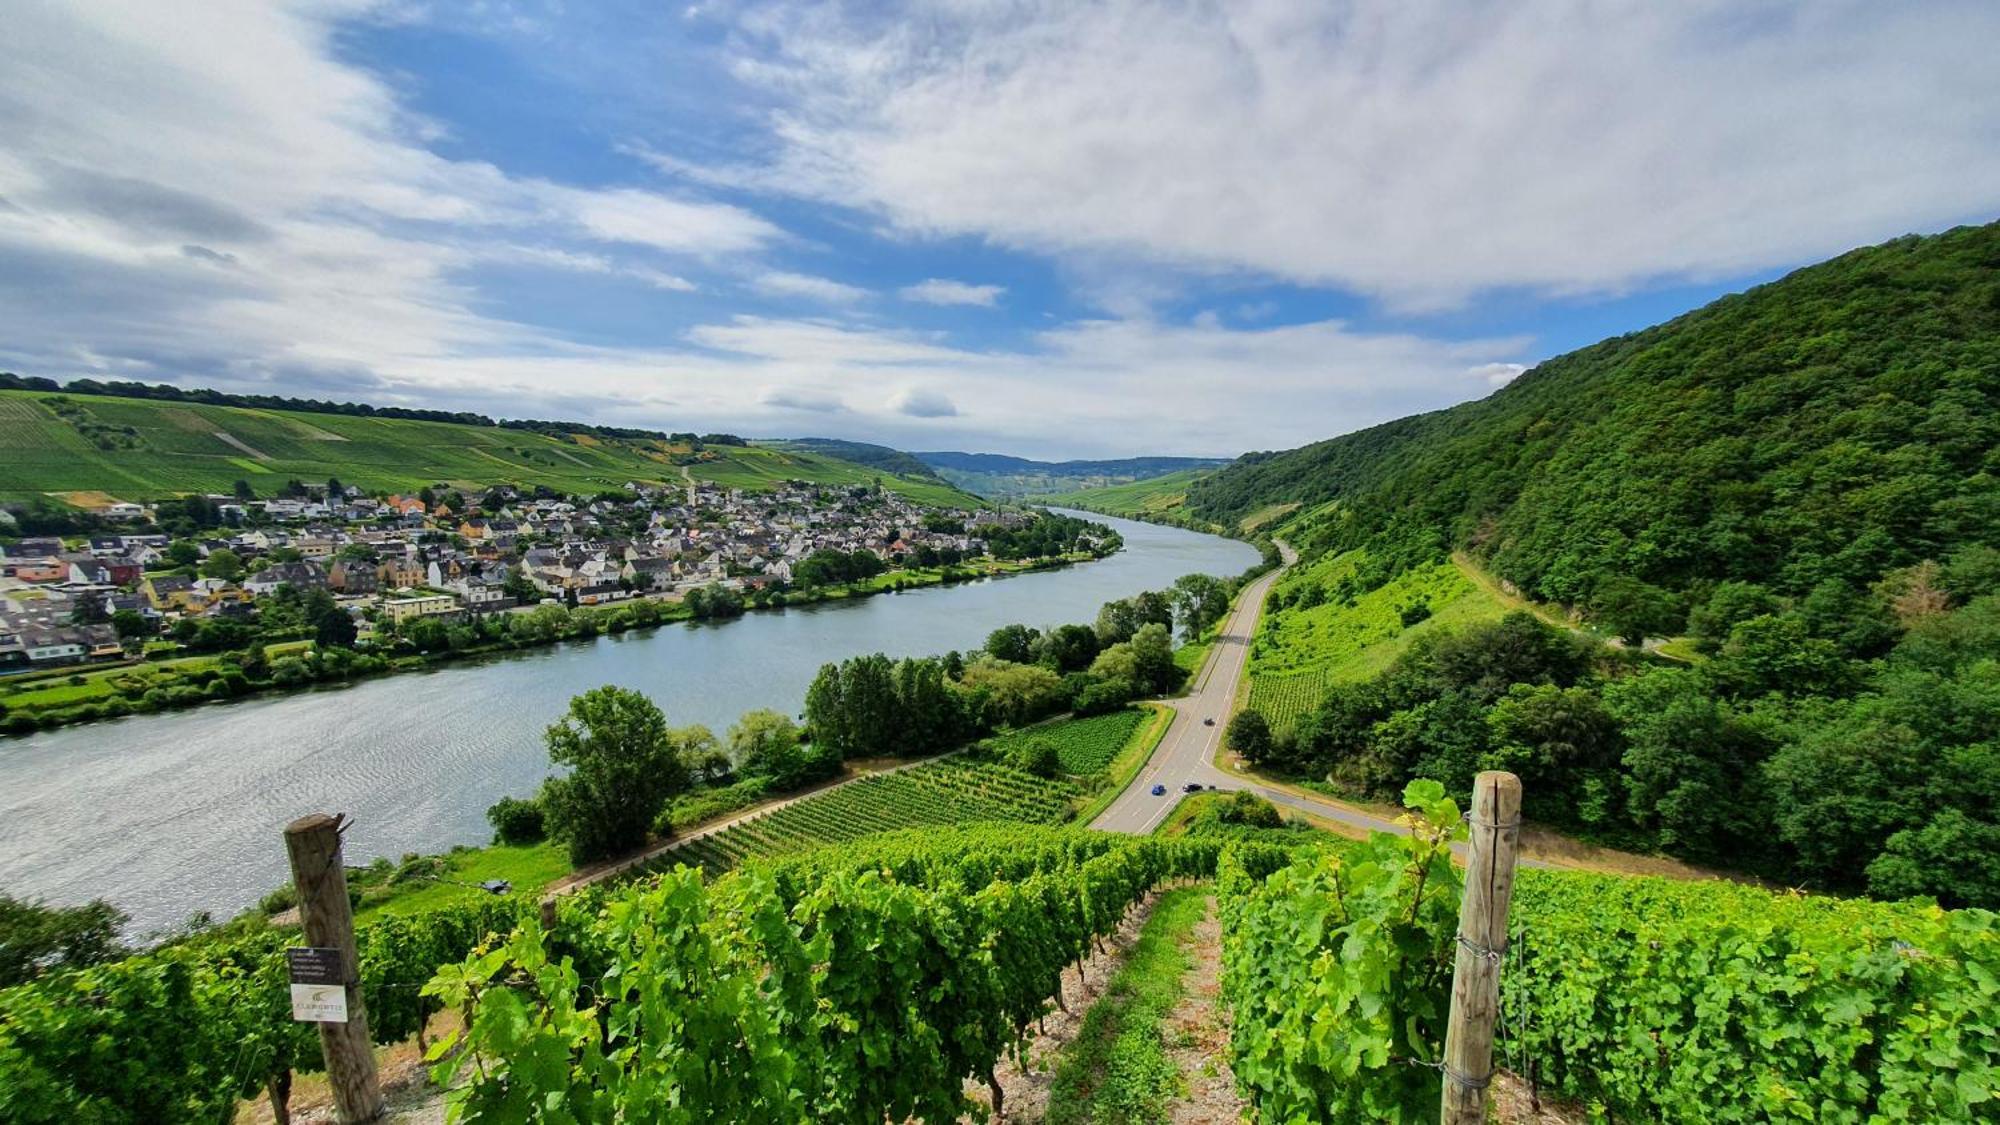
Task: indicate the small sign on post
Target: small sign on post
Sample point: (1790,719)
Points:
(319,988)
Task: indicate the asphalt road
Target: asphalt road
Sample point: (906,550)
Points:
(1188,750)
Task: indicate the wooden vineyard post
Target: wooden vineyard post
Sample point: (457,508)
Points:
(1482,942)
(313,844)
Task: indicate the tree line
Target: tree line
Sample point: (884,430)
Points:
(1842,743)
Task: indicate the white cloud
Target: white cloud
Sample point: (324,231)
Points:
(942,291)
(1496,374)
(208,190)
(1418,151)
(778,283)
(919,402)
(794,398)
(647,218)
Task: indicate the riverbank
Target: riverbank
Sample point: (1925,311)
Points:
(52,701)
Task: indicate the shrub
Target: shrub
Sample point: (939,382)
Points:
(516,821)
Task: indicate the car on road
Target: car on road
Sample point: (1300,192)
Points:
(1191,787)
(1159,790)
(1208,722)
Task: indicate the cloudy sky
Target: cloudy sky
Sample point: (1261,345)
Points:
(1051,228)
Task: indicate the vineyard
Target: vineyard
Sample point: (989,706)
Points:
(55,443)
(1648,999)
(1284,700)
(1085,746)
(950,791)
(1320,619)
(874,979)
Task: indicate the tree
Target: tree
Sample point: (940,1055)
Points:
(1199,600)
(222,563)
(1069,648)
(1012,643)
(332,626)
(243,491)
(88,609)
(334,489)
(183,552)
(1635,610)
(132,624)
(1728,605)
(36,937)
(1690,765)
(1153,659)
(1037,756)
(1249,734)
(766,744)
(516,821)
(625,765)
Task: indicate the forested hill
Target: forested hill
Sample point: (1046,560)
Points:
(997,474)
(1832,424)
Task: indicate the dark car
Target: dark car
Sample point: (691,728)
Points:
(1191,787)
(1159,790)
(1208,722)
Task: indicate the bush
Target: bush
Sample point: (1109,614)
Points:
(516,821)
(1252,811)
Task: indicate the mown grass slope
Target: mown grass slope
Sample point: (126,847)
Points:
(136,449)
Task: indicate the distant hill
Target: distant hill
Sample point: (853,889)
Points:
(861,453)
(996,474)
(88,447)
(1828,426)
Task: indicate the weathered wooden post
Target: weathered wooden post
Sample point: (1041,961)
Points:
(1482,941)
(313,844)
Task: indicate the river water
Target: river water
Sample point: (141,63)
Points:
(169,814)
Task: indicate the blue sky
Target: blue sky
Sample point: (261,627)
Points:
(1043,228)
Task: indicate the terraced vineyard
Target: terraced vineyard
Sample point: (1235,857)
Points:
(1085,745)
(950,791)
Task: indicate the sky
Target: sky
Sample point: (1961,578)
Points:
(1053,229)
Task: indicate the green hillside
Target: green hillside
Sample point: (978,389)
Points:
(134,449)
(1162,498)
(997,474)
(1834,424)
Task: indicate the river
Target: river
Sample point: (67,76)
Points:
(169,814)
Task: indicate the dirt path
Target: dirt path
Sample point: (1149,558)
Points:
(1197,1035)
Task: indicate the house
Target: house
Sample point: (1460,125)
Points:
(34,546)
(302,576)
(48,568)
(122,510)
(353,577)
(394,573)
(398,610)
(601,594)
(649,574)
(166,592)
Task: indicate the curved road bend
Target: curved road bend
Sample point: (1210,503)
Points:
(1187,751)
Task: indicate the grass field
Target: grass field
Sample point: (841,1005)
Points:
(139,449)
(949,791)
(1085,746)
(529,867)
(1301,650)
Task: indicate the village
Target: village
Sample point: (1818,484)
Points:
(387,560)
